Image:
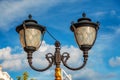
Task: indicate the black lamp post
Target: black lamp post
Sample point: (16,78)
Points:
(31,34)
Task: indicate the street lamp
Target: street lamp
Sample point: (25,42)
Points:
(31,36)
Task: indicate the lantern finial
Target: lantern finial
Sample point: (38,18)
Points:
(30,16)
(83,14)
(98,22)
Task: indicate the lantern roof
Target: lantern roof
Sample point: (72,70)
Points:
(84,21)
(30,23)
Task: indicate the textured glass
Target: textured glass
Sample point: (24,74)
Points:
(32,36)
(85,35)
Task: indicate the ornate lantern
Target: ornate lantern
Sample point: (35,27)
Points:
(85,32)
(31,34)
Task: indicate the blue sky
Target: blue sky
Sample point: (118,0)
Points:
(57,15)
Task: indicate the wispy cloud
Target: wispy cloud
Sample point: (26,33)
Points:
(115,29)
(118,30)
(11,11)
(103,14)
(114,61)
(113,12)
(99,14)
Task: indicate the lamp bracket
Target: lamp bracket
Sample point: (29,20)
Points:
(65,57)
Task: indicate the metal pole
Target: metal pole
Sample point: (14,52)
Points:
(57,60)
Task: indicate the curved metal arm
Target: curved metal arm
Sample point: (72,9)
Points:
(49,58)
(65,57)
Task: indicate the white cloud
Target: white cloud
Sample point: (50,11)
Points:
(13,10)
(75,54)
(5,53)
(17,61)
(118,30)
(99,14)
(86,74)
(113,12)
(90,74)
(11,61)
(115,29)
(7,59)
(12,64)
(114,62)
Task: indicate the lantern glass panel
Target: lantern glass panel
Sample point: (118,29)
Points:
(30,37)
(85,35)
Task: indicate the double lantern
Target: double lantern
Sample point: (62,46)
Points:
(31,34)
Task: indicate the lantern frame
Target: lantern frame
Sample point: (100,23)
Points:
(84,22)
(30,24)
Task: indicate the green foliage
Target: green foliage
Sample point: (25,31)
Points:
(18,78)
(24,76)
